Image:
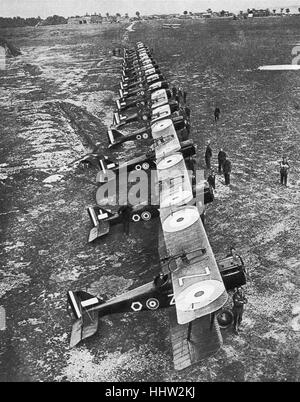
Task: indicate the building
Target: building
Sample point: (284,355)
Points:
(79,20)
(87,19)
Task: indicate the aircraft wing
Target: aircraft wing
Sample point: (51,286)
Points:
(164,132)
(194,341)
(197,283)
(279,67)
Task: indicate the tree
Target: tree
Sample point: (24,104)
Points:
(274,10)
(185,12)
(222,13)
(54,20)
(138,14)
(287,10)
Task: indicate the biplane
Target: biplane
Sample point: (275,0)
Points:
(155,97)
(191,283)
(117,137)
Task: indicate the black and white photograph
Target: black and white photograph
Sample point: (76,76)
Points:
(150,194)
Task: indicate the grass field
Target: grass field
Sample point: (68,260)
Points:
(55,103)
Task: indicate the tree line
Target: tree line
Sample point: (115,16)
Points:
(7,22)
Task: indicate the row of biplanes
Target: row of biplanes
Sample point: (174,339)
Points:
(191,283)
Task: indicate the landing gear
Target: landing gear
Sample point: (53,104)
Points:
(225,318)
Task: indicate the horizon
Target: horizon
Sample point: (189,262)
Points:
(69,8)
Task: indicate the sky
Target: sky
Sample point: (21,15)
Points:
(45,8)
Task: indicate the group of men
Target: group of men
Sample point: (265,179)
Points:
(224,164)
(179,95)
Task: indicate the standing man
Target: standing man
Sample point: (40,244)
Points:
(227,171)
(208,155)
(212,179)
(125,213)
(187,112)
(239,300)
(180,93)
(217,113)
(284,168)
(221,159)
(236,257)
(184,97)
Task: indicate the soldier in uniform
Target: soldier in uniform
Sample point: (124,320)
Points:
(221,159)
(208,155)
(239,300)
(184,97)
(174,92)
(237,259)
(284,168)
(187,112)
(212,179)
(217,113)
(180,93)
(125,211)
(227,171)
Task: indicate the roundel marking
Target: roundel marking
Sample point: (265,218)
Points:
(152,304)
(136,218)
(146,216)
(136,306)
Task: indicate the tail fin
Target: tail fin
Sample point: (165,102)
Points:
(118,119)
(86,323)
(113,135)
(98,217)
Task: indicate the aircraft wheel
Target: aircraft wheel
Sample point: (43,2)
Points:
(225,318)
(138,167)
(144,117)
(136,218)
(146,216)
(141,93)
(145,136)
(138,137)
(145,165)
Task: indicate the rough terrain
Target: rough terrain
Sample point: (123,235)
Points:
(55,103)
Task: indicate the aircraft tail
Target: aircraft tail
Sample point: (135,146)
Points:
(98,217)
(86,323)
(118,119)
(114,135)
